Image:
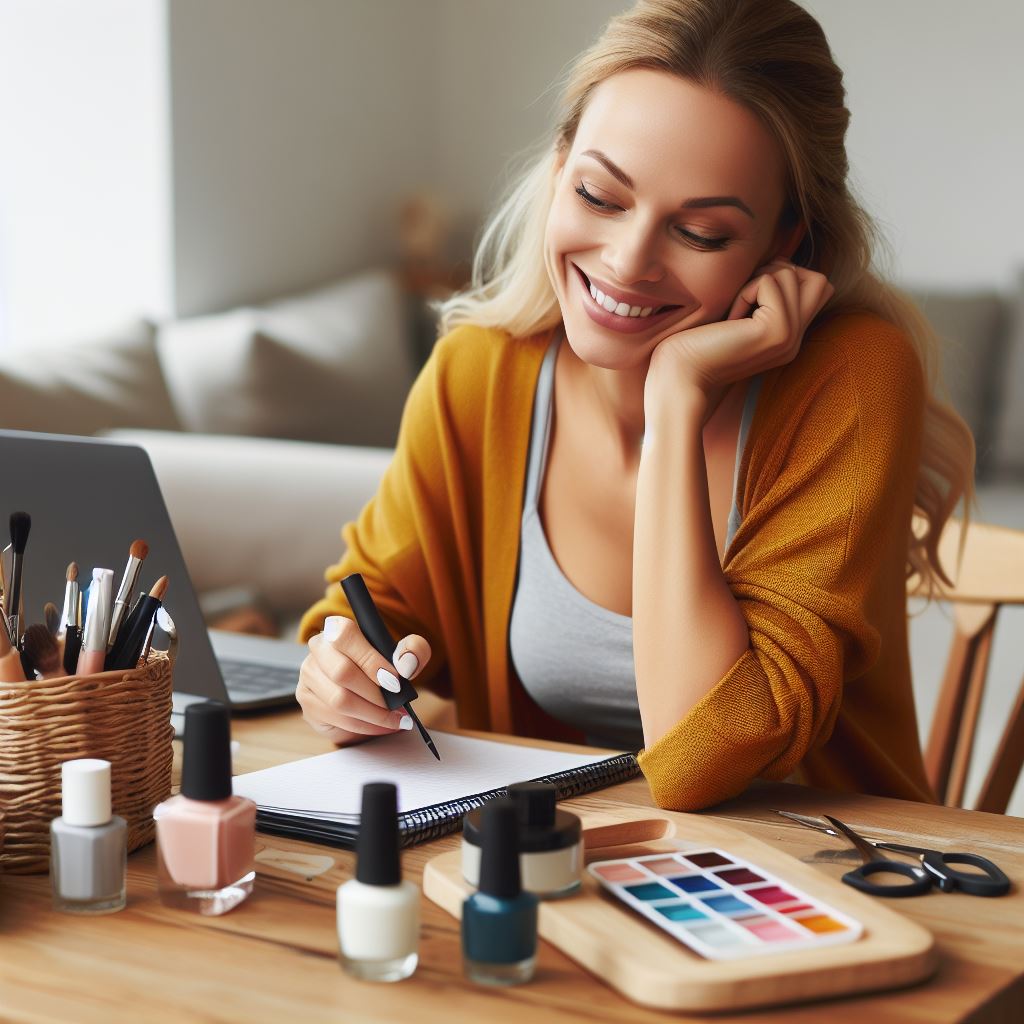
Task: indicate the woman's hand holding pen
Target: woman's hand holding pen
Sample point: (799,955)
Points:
(705,360)
(340,682)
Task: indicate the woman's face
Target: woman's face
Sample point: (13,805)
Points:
(632,214)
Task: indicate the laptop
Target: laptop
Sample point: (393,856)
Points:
(89,499)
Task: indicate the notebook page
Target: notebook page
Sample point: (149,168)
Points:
(330,785)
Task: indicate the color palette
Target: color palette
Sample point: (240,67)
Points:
(724,907)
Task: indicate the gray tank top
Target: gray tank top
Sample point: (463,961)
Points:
(573,656)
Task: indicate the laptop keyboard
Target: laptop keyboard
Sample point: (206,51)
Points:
(249,680)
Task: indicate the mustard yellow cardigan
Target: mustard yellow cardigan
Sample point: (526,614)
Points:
(817,566)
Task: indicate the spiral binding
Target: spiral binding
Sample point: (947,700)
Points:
(442,819)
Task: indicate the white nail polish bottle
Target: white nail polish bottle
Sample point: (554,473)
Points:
(378,913)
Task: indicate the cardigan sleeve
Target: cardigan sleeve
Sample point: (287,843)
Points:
(816,563)
(387,542)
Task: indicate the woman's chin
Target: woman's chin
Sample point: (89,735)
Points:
(603,349)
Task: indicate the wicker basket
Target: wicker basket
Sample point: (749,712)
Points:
(122,717)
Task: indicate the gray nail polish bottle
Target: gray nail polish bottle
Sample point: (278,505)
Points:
(88,844)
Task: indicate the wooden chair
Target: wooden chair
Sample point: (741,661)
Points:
(991,575)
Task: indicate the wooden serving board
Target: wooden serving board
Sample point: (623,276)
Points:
(650,967)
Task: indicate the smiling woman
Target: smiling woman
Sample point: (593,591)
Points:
(654,487)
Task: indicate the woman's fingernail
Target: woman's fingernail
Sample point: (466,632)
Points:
(407,664)
(388,680)
(405,723)
(332,627)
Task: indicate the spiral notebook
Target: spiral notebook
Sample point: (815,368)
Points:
(318,798)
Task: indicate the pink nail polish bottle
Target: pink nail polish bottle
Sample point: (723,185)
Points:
(206,837)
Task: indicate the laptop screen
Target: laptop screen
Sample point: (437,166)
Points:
(89,499)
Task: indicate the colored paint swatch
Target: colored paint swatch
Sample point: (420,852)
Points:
(821,923)
(619,873)
(651,891)
(666,866)
(707,860)
(738,876)
(715,935)
(695,883)
(681,912)
(728,905)
(769,930)
(771,894)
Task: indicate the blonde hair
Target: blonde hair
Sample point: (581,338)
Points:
(771,57)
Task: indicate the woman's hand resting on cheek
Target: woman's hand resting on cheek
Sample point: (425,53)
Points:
(340,682)
(698,364)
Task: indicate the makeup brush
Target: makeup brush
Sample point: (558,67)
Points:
(52,618)
(136,555)
(69,616)
(21,523)
(11,670)
(131,639)
(40,647)
(97,623)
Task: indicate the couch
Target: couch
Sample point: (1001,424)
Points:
(213,400)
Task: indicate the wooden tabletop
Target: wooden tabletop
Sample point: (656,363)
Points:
(275,957)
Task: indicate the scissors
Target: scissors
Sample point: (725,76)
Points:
(936,866)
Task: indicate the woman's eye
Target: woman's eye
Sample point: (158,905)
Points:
(706,243)
(592,200)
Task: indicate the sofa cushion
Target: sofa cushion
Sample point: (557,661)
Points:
(99,383)
(972,326)
(331,365)
(1009,422)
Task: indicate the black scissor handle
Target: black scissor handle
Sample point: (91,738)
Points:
(992,883)
(860,878)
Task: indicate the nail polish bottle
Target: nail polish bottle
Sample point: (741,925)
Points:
(378,913)
(88,844)
(499,920)
(205,836)
(550,842)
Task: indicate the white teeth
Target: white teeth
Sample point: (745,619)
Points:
(619,308)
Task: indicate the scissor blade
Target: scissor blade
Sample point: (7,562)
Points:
(803,819)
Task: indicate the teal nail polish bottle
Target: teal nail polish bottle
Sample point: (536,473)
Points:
(499,920)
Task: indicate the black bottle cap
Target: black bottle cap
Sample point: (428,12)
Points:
(206,760)
(499,859)
(535,803)
(377,860)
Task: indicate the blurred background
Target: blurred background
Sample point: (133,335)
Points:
(219,220)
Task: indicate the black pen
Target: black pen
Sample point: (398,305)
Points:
(372,627)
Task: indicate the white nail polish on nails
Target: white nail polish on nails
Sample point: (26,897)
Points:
(405,723)
(332,627)
(407,664)
(388,680)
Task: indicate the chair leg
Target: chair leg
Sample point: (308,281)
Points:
(1006,764)
(938,757)
(969,723)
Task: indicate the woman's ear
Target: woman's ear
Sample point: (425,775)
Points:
(787,241)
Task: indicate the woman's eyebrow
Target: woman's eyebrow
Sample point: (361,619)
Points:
(690,204)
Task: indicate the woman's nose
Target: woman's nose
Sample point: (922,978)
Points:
(632,254)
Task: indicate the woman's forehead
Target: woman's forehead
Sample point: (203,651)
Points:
(666,132)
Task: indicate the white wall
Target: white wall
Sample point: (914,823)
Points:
(935,139)
(84,218)
(295,126)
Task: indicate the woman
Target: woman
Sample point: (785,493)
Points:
(654,486)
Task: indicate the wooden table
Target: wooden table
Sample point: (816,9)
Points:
(275,957)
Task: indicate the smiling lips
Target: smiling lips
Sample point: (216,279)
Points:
(616,312)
